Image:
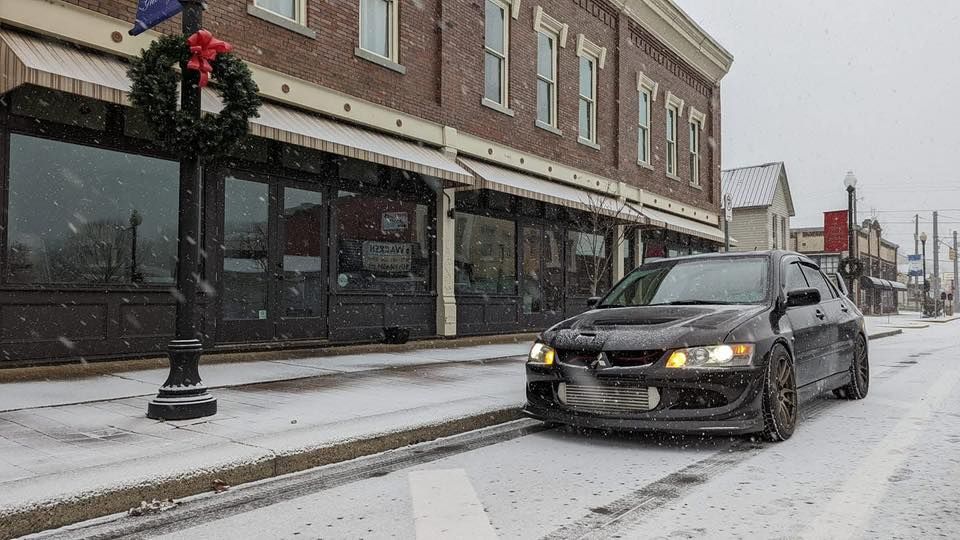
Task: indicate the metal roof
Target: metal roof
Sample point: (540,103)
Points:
(756,186)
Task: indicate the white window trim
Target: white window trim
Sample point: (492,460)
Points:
(695,149)
(595,54)
(547,24)
(504,105)
(643,89)
(646,82)
(300,7)
(697,116)
(585,47)
(671,145)
(394,33)
(674,101)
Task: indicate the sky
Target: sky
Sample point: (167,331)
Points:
(829,86)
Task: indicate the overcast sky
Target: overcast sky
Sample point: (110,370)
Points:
(826,86)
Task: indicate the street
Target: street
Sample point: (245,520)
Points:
(887,466)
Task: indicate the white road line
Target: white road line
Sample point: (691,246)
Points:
(850,509)
(445,505)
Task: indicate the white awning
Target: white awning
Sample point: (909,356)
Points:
(28,59)
(521,184)
(682,224)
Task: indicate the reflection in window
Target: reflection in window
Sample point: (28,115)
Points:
(486,256)
(586,263)
(531,251)
(303,246)
(382,244)
(245,246)
(86,215)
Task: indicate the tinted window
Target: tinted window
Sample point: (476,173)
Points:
(793,277)
(486,255)
(816,279)
(717,281)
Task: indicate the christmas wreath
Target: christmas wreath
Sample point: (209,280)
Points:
(851,267)
(155,91)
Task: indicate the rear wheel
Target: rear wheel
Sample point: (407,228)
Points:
(780,402)
(859,374)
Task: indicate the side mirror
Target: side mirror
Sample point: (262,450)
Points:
(803,297)
(593,301)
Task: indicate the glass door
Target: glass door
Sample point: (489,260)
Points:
(541,276)
(274,269)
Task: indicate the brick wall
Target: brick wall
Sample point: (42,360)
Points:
(441,48)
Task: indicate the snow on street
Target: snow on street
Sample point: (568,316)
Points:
(884,467)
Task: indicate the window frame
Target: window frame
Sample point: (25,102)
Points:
(393,29)
(299,8)
(595,56)
(673,105)
(645,87)
(557,32)
(510,9)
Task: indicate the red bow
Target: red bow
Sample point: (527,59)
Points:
(203,49)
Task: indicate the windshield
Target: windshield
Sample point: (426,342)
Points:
(706,281)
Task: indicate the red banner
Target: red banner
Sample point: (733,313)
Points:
(835,231)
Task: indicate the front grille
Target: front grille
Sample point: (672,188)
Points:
(615,358)
(608,399)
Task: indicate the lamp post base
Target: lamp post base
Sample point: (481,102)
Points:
(183,396)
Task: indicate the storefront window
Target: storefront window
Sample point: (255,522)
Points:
(587,263)
(486,255)
(245,244)
(628,247)
(83,215)
(382,244)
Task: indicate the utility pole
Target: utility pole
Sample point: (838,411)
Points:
(936,263)
(956,285)
(916,251)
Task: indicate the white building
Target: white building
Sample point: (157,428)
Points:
(762,206)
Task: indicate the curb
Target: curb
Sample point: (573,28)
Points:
(52,514)
(881,335)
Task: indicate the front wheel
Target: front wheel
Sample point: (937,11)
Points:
(780,402)
(859,374)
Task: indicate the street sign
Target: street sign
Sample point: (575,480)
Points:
(915,268)
(153,12)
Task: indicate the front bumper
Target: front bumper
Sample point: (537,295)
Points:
(722,401)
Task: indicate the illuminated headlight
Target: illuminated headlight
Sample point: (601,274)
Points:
(712,356)
(542,354)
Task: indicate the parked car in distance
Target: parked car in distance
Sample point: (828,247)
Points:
(718,343)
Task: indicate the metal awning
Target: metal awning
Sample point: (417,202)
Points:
(505,180)
(60,66)
(683,225)
(897,286)
(870,282)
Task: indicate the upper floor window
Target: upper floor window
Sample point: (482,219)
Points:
(295,10)
(674,112)
(591,59)
(496,52)
(696,127)
(647,91)
(551,34)
(378,28)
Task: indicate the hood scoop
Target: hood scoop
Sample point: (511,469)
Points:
(633,322)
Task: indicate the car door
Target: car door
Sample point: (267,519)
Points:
(829,314)
(848,326)
(809,339)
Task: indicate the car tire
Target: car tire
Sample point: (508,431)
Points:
(859,383)
(780,400)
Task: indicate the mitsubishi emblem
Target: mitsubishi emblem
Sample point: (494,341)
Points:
(600,362)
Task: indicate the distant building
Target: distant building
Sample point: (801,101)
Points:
(762,206)
(877,290)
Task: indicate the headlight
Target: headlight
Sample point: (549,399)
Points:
(542,354)
(712,356)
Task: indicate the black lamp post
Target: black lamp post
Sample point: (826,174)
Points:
(850,181)
(135,221)
(923,244)
(183,395)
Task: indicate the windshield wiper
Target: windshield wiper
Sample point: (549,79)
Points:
(695,303)
(604,306)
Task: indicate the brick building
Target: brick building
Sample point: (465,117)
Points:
(878,290)
(417,163)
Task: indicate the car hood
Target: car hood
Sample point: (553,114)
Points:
(648,327)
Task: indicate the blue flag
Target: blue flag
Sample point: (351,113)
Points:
(153,12)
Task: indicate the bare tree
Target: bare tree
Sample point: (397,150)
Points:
(608,219)
(98,252)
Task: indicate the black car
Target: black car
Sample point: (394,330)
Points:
(724,343)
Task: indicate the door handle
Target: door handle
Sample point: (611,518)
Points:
(820,315)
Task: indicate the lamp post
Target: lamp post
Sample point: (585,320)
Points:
(923,244)
(135,221)
(850,182)
(183,395)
